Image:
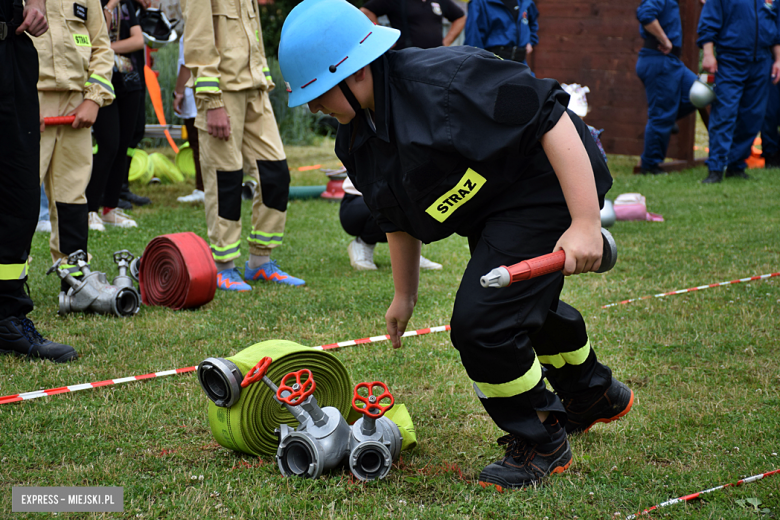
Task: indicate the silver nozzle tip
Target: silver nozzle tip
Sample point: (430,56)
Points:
(498,277)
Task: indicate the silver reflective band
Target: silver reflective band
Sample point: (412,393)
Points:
(68,499)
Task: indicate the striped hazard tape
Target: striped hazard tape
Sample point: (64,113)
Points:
(376,339)
(688,498)
(75,388)
(692,289)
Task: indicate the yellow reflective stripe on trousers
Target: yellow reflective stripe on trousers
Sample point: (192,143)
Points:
(205,84)
(265,239)
(103,82)
(577,357)
(520,385)
(223,253)
(13,271)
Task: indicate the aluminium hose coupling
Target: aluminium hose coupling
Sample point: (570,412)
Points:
(376,440)
(220,380)
(92,293)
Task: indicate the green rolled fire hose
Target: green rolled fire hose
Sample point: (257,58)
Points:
(248,426)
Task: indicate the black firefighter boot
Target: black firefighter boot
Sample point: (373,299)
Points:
(714,177)
(599,406)
(19,336)
(526,463)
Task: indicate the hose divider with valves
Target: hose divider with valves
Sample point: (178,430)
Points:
(323,440)
(92,292)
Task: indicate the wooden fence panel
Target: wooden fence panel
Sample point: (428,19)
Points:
(595,44)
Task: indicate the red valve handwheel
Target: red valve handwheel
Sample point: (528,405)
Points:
(299,391)
(257,373)
(367,401)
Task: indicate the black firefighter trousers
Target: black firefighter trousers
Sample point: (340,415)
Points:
(511,339)
(20,183)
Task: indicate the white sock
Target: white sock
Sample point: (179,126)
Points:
(256,261)
(224,266)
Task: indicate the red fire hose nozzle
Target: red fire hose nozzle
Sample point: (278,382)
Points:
(59,120)
(505,276)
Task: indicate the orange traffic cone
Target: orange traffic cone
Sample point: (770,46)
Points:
(755,160)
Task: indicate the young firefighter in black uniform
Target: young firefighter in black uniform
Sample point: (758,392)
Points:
(20,186)
(456,140)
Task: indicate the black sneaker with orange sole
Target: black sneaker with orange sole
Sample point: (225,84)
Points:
(526,463)
(602,407)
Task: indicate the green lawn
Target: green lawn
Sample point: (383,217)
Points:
(704,367)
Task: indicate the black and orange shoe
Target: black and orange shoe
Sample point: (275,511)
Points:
(603,407)
(526,463)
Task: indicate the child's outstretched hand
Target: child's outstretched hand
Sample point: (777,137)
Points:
(583,246)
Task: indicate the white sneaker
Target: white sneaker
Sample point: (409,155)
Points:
(95,222)
(361,255)
(43,226)
(195,196)
(428,265)
(117,217)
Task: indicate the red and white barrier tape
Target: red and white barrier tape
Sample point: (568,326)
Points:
(694,496)
(75,388)
(692,289)
(376,339)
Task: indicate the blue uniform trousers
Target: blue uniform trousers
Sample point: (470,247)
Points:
(738,110)
(667,84)
(770,137)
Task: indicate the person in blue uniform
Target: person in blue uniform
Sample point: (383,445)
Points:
(770,137)
(666,79)
(507,28)
(746,37)
(455,140)
(20,185)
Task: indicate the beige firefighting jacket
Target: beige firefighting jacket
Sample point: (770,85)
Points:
(75,53)
(223,48)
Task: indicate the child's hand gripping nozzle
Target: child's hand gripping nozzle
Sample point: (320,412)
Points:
(505,276)
(376,440)
(321,440)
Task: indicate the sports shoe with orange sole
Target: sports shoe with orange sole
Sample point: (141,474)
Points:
(230,280)
(270,272)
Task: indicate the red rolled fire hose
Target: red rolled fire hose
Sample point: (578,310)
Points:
(177,271)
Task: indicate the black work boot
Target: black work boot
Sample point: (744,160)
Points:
(737,172)
(603,406)
(19,336)
(129,196)
(526,463)
(715,176)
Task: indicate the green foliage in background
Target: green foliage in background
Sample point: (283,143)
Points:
(297,126)
(272,18)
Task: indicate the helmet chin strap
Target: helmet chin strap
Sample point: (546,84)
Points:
(351,99)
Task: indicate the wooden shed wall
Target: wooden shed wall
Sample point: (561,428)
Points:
(595,44)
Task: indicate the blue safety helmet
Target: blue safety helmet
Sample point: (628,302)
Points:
(325,41)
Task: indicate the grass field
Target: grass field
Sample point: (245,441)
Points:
(704,367)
